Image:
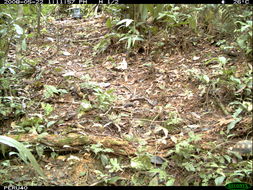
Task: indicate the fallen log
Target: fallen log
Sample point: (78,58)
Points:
(77,142)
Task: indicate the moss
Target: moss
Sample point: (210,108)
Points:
(73,139)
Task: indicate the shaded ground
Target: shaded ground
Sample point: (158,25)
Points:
(143,90)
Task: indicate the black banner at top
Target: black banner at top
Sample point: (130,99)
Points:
(127,1)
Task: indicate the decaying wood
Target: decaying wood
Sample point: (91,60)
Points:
(77,142)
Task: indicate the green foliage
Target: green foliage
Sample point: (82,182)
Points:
(47,108)
(239,88)
(212,168)
(133,34)
(127,31)
(50,91)
(12,98)
(153,175)
(141,162)
(106,178)
(104,43)
(104,98)
(36,124)
(232,21)
(98,149)
(11,107)
(10,32)
(245,38)
(173,17)
(114,166)
(84,107)
(173,119)
(24,153)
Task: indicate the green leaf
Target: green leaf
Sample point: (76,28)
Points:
(189,167)
(104,159)
(222,60)
(154,182)
(47,108)
(141,162)
(219,180)
(50,123)
(237,112)
(40,150)
(232,124)
(49,91)
(236,80)
(23,152)
(170,182)
(24,46)
(109,23)
(3,32)
(241,43)
(19,30)
(127,21)
(206,78)
(63,91)
(228,158)
(129,43)
(85,105)
(115,165)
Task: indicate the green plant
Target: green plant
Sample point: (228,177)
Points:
(173,119)
(245,38)
(48,108)
(24,153)
(162,175)
(141,162)
(114,166)
(207,167)
(98,148)
(102,45)
(105,43)
(104,98)
(153,175)
(132,35)
(36,123)
(11,106)
(225,83)
(116,119)
(10,31)
(50,90)
(106,178)
(4,172)
(84,107)
(99,151)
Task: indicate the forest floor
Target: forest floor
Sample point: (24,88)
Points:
(151,91)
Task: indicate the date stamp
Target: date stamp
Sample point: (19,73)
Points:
(11,187)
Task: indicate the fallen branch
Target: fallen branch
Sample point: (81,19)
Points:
(76,142)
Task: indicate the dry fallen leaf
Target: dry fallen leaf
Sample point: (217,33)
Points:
(122,65)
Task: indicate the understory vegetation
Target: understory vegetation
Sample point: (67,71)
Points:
(147,94)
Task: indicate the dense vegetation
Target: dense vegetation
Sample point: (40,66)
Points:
(63,83)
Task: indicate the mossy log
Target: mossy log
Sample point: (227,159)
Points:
(77,142)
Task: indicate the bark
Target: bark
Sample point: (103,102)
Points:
(77,142)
